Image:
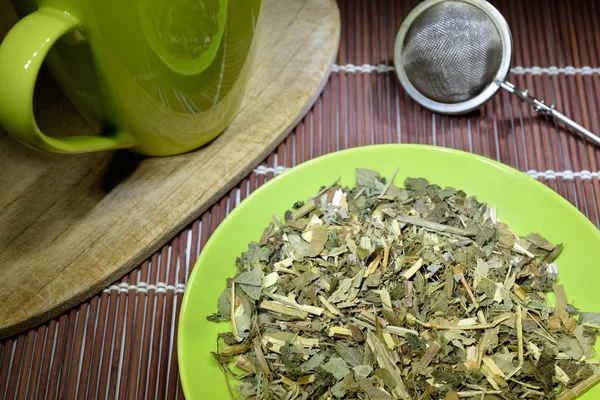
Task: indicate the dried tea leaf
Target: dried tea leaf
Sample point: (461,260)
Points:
(357,333)
(341,388)
(590,319)
(418,185)
(561,304)
(246,390)
(366,178)
(586,339)
(305,279)
(540,242)
(254,256)
(243,316)
(545,369)
(373,392)
(341,293)
(299,224)
(481,272)
(505,362)
(386,377)
(336,367)
(505,237)
(251,282)
(299,245)
(351,355)
(291,356)
(223,304)
(490,338)
(320,236)
(362,371)
(452,395)
(458,338)
(313,363)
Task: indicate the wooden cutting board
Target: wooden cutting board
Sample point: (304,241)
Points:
(71,225)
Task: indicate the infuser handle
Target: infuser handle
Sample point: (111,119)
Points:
(543,108)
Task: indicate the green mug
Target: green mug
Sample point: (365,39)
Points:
(162,77)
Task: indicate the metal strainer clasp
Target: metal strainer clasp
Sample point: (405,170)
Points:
(543,108)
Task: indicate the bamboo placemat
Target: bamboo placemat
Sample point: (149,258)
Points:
(122,343)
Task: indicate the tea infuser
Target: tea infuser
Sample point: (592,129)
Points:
(451,56)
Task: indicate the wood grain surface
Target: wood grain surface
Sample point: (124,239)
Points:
(70,225)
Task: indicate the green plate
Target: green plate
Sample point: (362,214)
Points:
(522,202)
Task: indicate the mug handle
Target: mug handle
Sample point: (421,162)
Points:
(21,55)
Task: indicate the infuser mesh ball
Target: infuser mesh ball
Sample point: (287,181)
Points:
(452,51)
(451,56)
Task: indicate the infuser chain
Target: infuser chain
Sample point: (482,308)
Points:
(543,108)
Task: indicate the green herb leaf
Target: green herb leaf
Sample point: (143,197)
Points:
(251,282)
(590,319)
(336,367)
(351,355)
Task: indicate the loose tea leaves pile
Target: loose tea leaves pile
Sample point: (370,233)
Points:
(382,292)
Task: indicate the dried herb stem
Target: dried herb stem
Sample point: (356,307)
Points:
(581,387)
(430,354)
(434,226)
(473,393)
(260,356)
(413,269)
(245,364)
(527,385)
(389,182)
(481,317)
(282,309)
(408,298)
(519,325)
(411,318)
(396,330)
(548,335)
(329,306)
(469,291)
(234,329)
(304,210)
